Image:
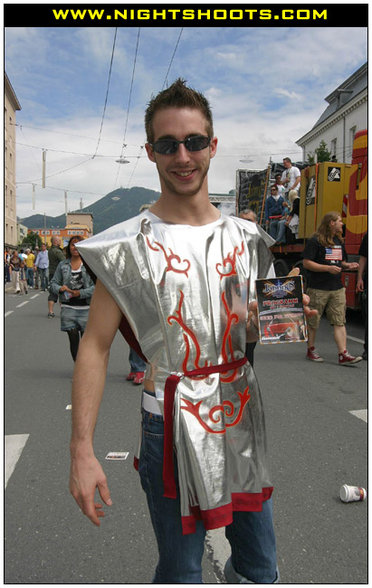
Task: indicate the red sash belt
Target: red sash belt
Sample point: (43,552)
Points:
(169,393)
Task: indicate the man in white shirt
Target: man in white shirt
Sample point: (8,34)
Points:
(291,176)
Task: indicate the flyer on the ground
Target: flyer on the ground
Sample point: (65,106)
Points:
(280,310)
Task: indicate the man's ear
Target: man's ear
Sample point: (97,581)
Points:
(150,152)
(213,147)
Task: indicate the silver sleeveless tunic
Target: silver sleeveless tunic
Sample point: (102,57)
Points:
(185,291)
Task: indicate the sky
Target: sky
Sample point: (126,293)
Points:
(266,86)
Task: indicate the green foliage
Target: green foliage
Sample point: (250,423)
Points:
(311,158)
(32,240)
(322,152)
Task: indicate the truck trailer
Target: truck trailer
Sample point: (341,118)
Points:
(325,187)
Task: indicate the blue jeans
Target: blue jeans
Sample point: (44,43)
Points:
(30,276)
(43,273)
(277,230)
(136,362)
(251,534)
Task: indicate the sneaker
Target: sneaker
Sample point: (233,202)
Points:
(130,377)
(313,355)
(51,315)
(346,359)
(139,378)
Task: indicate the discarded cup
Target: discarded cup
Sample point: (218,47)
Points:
(352,493)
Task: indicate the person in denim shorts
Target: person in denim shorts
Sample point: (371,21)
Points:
(324,259)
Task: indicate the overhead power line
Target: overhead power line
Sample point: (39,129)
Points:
(107,92)
(130,92)
(171,61)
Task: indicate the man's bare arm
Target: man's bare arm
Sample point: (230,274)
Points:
(88,383)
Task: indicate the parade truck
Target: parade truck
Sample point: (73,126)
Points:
(325,187)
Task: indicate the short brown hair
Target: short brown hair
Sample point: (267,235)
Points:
(180,96)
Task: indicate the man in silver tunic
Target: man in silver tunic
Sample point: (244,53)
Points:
(181,275)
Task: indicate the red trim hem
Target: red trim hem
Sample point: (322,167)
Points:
(223,515)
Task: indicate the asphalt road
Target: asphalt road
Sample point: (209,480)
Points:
(316,444)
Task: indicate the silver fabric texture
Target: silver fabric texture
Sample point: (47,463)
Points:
(185,291)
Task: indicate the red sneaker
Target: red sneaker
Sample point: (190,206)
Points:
(139,378)
(346,359)
(130,376)
(313,355)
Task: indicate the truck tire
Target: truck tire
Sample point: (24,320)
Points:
(281,267)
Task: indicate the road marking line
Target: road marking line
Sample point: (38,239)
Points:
(219,547)
(360,414)
(32,297)
(355,339)
(8,313)
(14,445)
(22,304)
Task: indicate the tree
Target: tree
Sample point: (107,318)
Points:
(311,158)
(32,240)
(322,153)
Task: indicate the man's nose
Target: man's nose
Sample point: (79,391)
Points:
(182,153)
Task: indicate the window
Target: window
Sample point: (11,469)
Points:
(334,148)
(352,132)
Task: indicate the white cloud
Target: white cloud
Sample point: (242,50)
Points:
(266,87)
(287,94)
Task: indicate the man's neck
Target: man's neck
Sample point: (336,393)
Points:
(194,211)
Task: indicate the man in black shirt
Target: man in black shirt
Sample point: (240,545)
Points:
(324,259)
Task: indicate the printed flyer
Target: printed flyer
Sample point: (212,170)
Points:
(280,310)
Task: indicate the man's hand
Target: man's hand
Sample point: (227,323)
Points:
(86,474)
(360,285)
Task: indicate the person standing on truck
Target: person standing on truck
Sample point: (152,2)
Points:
(324,259)
(291,177)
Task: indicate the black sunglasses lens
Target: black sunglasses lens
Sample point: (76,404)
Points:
(166,147)
(197,143)
(170,146)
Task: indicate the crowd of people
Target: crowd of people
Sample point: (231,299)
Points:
(283,204)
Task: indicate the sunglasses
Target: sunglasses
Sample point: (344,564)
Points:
(170,146)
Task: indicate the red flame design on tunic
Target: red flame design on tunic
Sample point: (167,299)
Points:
(227,347)
(171,258)
(230,260)
(188,336)
(226,408)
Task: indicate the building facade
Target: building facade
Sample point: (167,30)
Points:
(345,115)
(77,224)
(11,105)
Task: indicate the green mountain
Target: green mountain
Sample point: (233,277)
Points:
(113,208)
